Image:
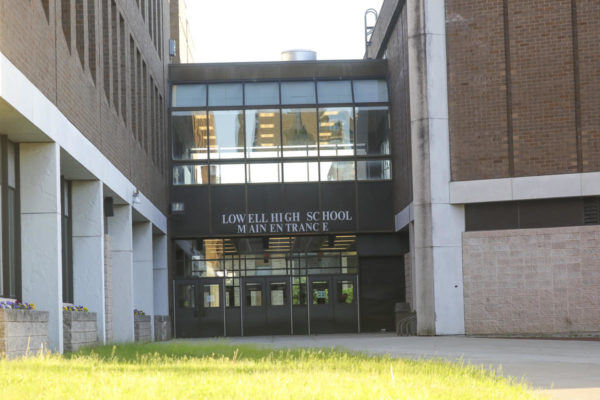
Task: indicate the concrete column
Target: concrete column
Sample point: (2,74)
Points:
(161,275)
(120,231)
(87,219)
(41,258)
(143,287)
(438,225)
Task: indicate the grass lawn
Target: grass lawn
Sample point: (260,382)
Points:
(185,370)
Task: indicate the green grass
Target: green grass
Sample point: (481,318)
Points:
(185,370)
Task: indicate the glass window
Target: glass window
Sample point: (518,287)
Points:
(337,170)
(299,132)
(225,94)
(227,173)
(190,135)
(373,169)
(336,131)
(186,296)
(226,134)
(212,297)
(368,91)
(320,292)
(262,93)
(334,92)
(188,96)
(264,172)
(232,292)
(190,174)
(278,294)
(299,291)
(345,292)
(298,93)
(263,133)
(253,294)
(372,131)
(301,171)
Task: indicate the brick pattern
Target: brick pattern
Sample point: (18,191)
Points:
(142,328)
(108,288)
(79,330)
(408,273)
(397,57)
(532,281)
(162,328)
(548,48)
(38,47)
(23,332)
(477,89)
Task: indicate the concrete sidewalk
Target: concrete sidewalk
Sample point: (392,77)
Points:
(565,369)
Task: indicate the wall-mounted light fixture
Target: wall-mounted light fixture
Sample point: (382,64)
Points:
(135,198)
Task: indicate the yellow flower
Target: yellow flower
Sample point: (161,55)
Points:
(32,306)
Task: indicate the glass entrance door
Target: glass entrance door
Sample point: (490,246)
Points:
(211,307)
(333,306)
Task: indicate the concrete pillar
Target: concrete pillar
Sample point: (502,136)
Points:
(120,231)
(161,275)
(87,220)
(438,225)
(41,258)
(143,287)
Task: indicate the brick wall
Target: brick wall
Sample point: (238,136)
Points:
(142,328)
(523,84)
(162,328)
(23,332)
(532,281)
(408,274)
(39,47)
(108,306)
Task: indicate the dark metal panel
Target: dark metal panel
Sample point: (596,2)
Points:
(487,216)
(339,196)
(194,220)
(396,244)
(375,206)
(551,213)
(224,200)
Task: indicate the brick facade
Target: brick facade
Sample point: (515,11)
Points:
(523,82)
(47,50)
(532,281)
(79,330)
(23,332)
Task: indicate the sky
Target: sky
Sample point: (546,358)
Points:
(259,30)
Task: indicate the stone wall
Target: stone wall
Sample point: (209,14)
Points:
(162,328)
(143,329)
(532,281)
(408,281)
(23,332)
(79,330)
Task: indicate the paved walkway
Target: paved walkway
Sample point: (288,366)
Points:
(565,369)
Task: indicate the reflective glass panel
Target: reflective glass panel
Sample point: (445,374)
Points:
(188,96)
(190,135)
(263,136)
(299,291)
(334,92)
(367,91)
(212,298)
(264,172)
(278,294)
(226,134)
(227,173)
(336,131)
(262,93)
(232,293)
(372,131)
(253,294)
(320,292)
(373,170)
(298,93)
(299,132)
(301,171)
(190,174)
(345,292)
(337,170)
(186,296)
(225,94)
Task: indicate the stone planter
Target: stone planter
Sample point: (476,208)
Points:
(23,332)
(142,328)
(162,328)
(79,330)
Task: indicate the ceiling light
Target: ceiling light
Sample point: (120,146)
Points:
(266,114)
(268,126)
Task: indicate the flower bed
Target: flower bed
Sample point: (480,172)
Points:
(79,327)
(142,326)
(23,330)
